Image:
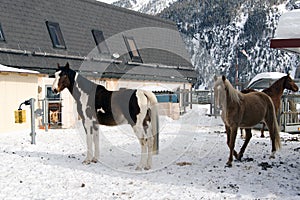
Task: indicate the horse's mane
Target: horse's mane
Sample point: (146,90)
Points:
(234,94)
(276,85)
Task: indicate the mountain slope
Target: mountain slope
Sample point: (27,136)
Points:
(217,33)
(151,7)
(222,36)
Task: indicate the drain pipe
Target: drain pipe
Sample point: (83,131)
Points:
(33,133)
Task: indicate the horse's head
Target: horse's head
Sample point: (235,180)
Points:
(219,92)
(64,78)
(290,84)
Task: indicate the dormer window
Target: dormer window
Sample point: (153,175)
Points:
(132,49)
(100,41)
(56,35)
(2,38)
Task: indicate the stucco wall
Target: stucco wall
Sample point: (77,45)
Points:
(15,88)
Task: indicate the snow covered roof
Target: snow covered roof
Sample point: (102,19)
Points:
(265,77)
(287,35)
(158,88)
(4,68)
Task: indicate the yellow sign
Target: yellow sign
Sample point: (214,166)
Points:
(20,116)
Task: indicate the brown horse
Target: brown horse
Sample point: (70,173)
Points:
(246,110)
(275,91)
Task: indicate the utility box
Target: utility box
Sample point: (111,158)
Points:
(20,116)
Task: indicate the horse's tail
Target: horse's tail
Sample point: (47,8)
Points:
(275,133)
(154,119)
(277,136)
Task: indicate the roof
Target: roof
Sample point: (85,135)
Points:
(287,34)
(265,79)
(28,44)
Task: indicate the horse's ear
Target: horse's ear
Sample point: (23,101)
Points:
(223,78)
(215,78)
(67,66)
(58,66)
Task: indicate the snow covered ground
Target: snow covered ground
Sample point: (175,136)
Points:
(190,165)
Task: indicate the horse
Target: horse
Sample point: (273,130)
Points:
(98,106)
(245,111)
(275,91)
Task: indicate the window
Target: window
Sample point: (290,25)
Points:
(50,95)
(132,49)
(2,38)
(100,41)
(56,35)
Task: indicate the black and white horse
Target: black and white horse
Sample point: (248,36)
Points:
(97,105)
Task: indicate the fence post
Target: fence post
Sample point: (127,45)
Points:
(46,114)
(212,110)
(191,98)
(285,109)
(184,96)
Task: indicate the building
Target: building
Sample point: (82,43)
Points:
(287,35)
(16,86)
(112,46)
(287,38)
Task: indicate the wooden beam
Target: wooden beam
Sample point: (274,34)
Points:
(285,43)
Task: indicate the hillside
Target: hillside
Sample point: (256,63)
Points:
(221,35)
(151,7)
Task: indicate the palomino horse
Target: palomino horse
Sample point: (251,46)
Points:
(97,105)
(246,110)
(275,91)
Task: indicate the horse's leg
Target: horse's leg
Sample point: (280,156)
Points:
(143,160)
(150,142)
(262,130)
(274,136)
(274,133)
(248,137)
(228,135)
(241,129)
(143,142)
(89,141)
(228,132)
(96,143)
(233,133)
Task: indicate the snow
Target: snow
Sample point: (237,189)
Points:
(108,1)
(190,165)
(288,20)
(266,75)
(149,6)
(4,68)
(144,6)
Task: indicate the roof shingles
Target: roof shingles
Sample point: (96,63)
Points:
(25,29)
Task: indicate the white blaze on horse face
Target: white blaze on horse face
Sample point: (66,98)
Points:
(55,83)
(216,96)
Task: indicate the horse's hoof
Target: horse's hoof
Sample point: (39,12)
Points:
(147,168)
(94,160)
(86,162)
(272,156)
(239,157)
(262,136)
(228,164)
